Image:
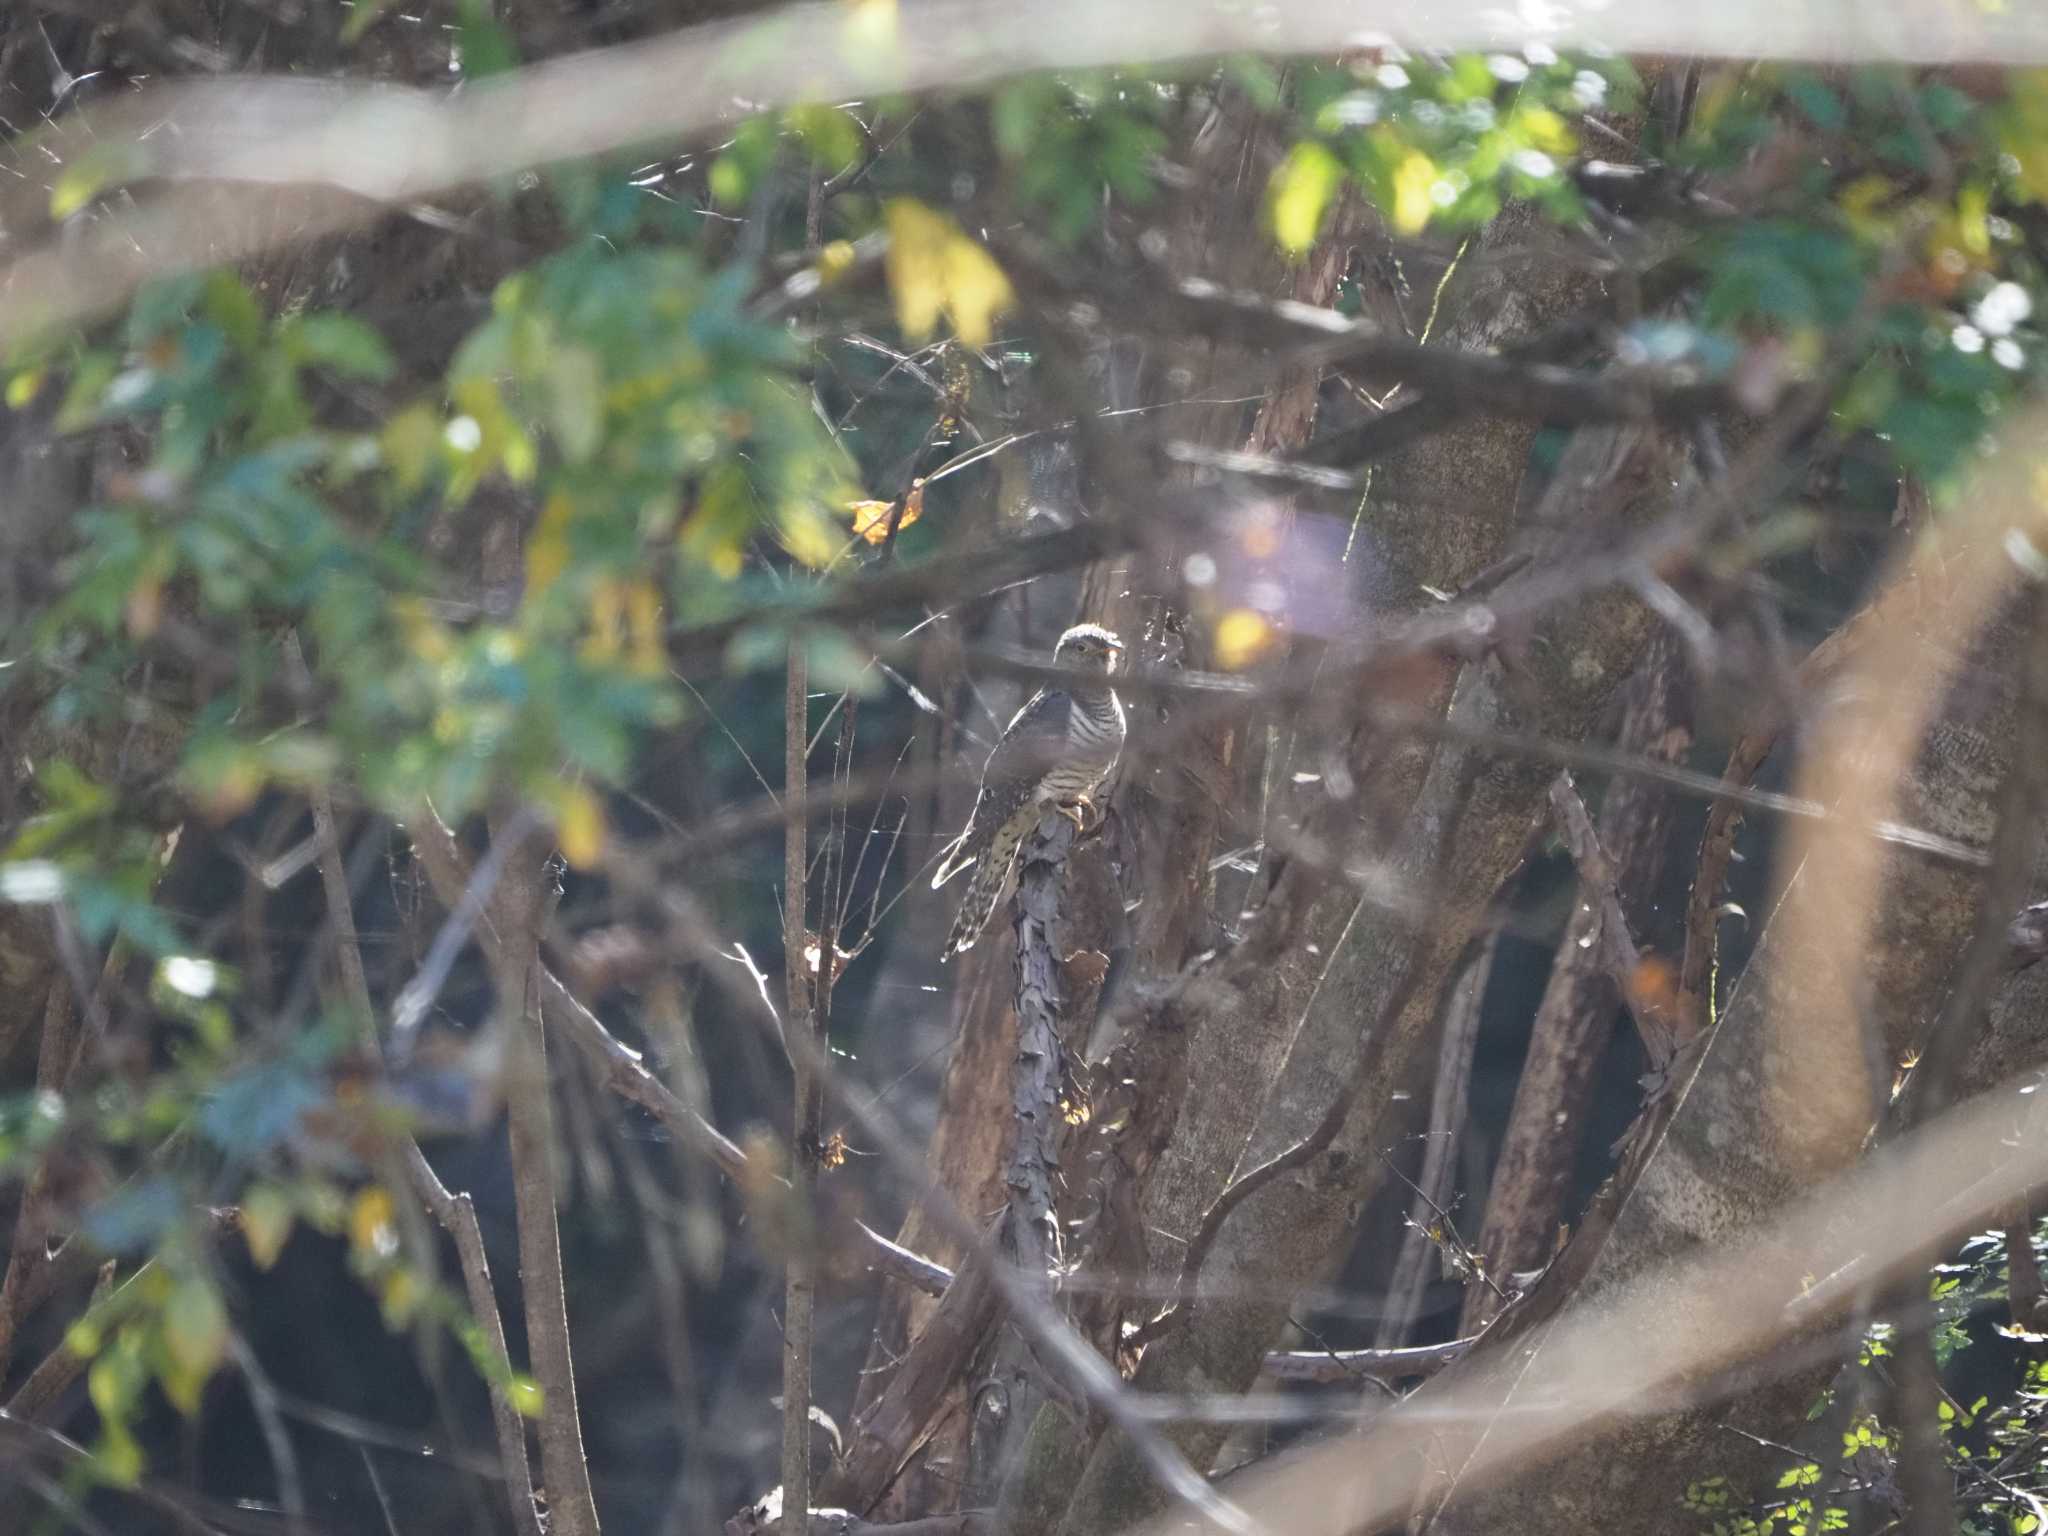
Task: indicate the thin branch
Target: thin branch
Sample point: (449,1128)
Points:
(620,1067)
(1057,1344)
(454,1213)
(518,909)
(277,1440)
(63,1365)
(1338,1366)
(807,1117)
(1449,1100)
(457,1217)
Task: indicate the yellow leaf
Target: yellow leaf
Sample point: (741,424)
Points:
(1548,132)
(266,1223)
(24,387)
(525,1394)
(1242,636)
(934,269)
(916,266)
(607,621)
(1413,179)
(195,1339)
(807,535)
(833,261)
(579,826)
(643,619)
(547,553)
(1300,191)
(871,518)
(399,1298)
(976,291)
(372,1223)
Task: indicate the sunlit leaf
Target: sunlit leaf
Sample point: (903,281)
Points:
(266,1223)
(935,269)
(579,826)
(525,1395)
(1301,189)
(1414,183)
(373,1223)
(195,1340)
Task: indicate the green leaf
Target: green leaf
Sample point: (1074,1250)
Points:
(486,46)
(1300,191)
(340,343)
(575,396)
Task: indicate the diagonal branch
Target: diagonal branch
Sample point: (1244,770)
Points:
(455,1213)
(520,904)
(1654,1016)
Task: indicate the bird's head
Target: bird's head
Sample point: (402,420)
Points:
(1089,647)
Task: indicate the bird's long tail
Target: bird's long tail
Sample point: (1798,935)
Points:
(984,889)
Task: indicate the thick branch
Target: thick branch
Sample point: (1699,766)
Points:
(1652,1014)
(1545,1129)
(1030,1231)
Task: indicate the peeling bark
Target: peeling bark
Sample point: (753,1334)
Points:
(1788,1082)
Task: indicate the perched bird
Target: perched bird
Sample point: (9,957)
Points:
(1055,750)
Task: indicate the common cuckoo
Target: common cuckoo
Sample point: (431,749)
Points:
(1054,751)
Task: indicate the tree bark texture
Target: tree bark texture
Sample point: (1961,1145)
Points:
(1438,514)
(1546,1125)
(1797,1066)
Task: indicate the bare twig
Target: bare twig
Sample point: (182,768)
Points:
(1057,1344)
(349,152)
(518,911)
(1336,1366)
(63,1365)
(1448,1102)
(457,1216)
(284,1460)
(620,1067)
(807,1118)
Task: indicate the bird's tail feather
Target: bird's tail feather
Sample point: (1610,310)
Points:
(978,902)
